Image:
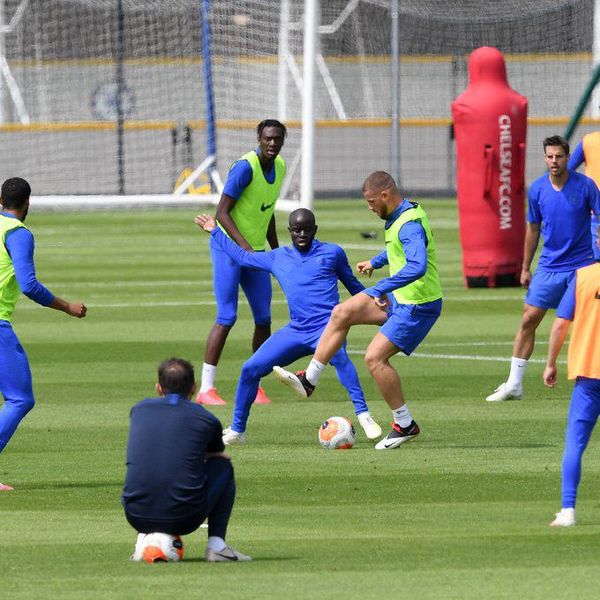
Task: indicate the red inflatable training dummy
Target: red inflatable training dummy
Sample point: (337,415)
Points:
(490,125)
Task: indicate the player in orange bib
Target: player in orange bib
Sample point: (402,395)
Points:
(580,306)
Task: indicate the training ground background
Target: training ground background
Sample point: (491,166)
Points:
(460,513)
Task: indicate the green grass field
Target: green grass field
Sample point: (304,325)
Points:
(460,513)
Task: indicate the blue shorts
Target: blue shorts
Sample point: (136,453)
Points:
(408,324)
(547,288)
(228,276)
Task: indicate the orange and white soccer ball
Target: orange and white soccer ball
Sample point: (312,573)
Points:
(161,547)
(337,433)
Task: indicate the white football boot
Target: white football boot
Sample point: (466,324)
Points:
(233,438)
(503,392)
(138,551)
(228,554)
(564,518)
(370,427)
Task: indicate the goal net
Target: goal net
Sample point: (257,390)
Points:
(108,97)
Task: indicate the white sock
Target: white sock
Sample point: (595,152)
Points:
(402,416)
(216,543)
(209,372)
(518,367)
(315,368)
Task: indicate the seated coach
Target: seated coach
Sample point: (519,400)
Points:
(177,474)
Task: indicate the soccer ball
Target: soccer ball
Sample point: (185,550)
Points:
(337,433)
(162,547)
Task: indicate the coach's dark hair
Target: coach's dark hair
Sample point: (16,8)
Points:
(15,192)
(270,123)
(176,376)
(556,140)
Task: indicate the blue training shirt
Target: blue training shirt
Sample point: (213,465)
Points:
(240,176)
(308,279)
(414,243)
(565,221)
(169,438)
(20,246)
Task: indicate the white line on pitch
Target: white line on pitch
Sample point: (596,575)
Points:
(540,361)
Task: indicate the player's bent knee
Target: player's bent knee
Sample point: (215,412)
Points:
(531,320)
(226,320)
(253,370)
(373,361)
(23,404)
(341,314)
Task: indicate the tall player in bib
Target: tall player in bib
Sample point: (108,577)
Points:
(246,214)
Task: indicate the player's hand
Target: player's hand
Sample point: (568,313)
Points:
(549,376)
(525,278)
(76,309)
(205,222)
(365,267)
(382,302)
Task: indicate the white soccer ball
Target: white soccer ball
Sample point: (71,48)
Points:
(162,547)
(337,433)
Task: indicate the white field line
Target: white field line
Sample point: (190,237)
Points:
(149,304)
(133,284)
(539,361)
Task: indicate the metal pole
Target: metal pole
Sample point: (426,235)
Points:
(3,84)
(120,47)
(395,130)
(211,131)
(583,102)
(282,95)
(311,17)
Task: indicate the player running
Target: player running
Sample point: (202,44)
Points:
(17,274)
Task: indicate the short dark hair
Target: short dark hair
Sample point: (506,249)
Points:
(15,192)
(270,123)
(556,140)
(176,376)
(379,180)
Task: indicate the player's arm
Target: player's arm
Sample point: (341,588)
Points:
(366,267)
(593,197)
(564,315)
(577,157)
(558,335)
(239,177)
(272,234)
(224,208)
(532,238)
(344,273)
(256,260)
(20,246)
(414,243)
